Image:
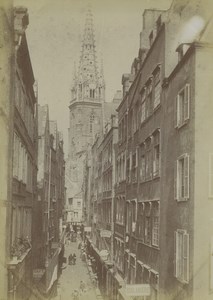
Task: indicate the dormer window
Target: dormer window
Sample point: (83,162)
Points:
(182,49)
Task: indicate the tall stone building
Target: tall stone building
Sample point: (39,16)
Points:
(24,163)
(7,52)
(86,110)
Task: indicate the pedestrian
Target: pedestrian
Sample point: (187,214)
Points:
(75,295)
(74,258)
(83,257)
(82,286)
(70,259)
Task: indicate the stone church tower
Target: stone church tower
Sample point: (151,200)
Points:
(86,108)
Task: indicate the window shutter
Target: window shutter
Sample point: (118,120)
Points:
(210,174)
(177,114)
(186,176)
(130,160)
(186,257)
(175,254)
(136,163)
(176,180)
(186,101)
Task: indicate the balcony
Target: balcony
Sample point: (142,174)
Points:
(19,251)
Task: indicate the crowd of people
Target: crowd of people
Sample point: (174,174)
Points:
(73,235)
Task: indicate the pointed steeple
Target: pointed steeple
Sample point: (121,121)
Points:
(89,85)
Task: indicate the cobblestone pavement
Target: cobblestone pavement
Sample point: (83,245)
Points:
(72,275)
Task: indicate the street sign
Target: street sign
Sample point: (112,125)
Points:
(138,290)
(87,229)
(105,233)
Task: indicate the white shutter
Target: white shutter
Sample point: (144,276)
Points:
(176,180)
(186,101)
(186,176)
(130,160)
(186,257)
(210,174)
(136,153)
(176,254)
(177,113)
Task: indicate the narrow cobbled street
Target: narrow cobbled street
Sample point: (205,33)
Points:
(72,275)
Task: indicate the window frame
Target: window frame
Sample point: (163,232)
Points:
(185,180)
(181,255)
(182,106)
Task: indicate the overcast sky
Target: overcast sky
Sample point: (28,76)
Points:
(54,38)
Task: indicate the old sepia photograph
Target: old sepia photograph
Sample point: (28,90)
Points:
(106,149)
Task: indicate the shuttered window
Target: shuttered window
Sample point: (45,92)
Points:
(181,178)
(182,106)
(181,256)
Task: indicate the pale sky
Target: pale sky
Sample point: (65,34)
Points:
(54,38)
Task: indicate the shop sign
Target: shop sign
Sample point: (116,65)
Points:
(38,273)
(104,254)
(105,233)
(138,290)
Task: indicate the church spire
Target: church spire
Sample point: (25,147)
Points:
(89,86)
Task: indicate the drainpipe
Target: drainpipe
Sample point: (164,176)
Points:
(113,196)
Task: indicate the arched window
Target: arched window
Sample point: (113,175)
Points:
(92,93)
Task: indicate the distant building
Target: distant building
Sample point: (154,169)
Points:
(49,233)
(75,210)
(86,112)
(99,195)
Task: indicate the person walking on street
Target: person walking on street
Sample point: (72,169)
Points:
(74,259)
(82,286)
(75,295)
(70,259)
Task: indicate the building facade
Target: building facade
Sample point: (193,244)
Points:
(49,232)
(162,233)
(24,191)
(6,132)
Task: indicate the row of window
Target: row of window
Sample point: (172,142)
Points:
(23,106)
(107,156)
(143,272)
(149,163)
(148,102)
(107,181)
(22,163)
(21,226)
(144,221)
(107,212)
(150,157)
